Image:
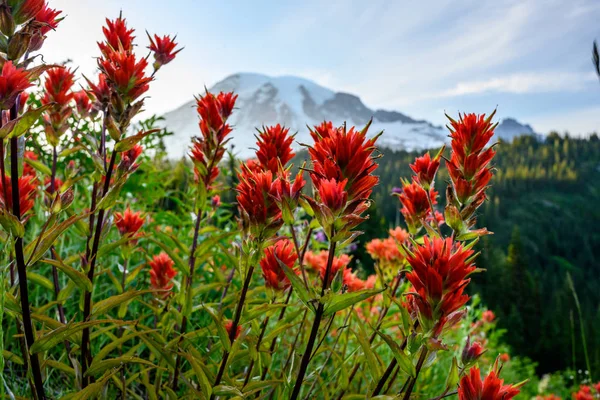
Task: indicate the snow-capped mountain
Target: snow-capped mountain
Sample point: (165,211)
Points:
(296,103)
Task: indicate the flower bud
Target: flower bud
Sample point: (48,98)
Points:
(471,352)
(7,22)
(18,45)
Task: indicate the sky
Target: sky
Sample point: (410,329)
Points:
(530,58)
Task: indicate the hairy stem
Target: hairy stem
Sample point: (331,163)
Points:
(315,327)
(38,388)
(188,287)
(87,306)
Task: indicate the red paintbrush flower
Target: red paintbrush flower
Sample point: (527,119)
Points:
(425,169)
(229,329)
(287,194)
(339,263)
(343,154)
(163,49)
(261,216)
(492,388)
(126,74)
(162,272)
(439,275)
(118,37)
(83,103)
(274,148)
(13,81)
(468,166)
(471,352)
(27,193)
(282,250)
(129,222)
(129,157)
(399,234)
(57,87)
(352,282)
(27,10)
(101,91)
(384,250)
(28,169)
(47,19)
(208,150)
(584,393)
(415,205)
(48,184)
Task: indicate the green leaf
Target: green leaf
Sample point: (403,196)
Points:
(60,366)
(92,390)
(205,385)
(372,360)
(453,375)
(61,334)
(339,302)
(8,356)
(101,366)
(19,126)
(221,331)
(298,285)
(404,362)
(40,280)
(111,197)
(11,224)
(39,166)
(129,142)
(259,385)
(106,305)
(49,238)
(78,277)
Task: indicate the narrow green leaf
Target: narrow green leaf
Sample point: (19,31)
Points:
(339,302)
(372,360)
(23,123)
(106,305)
(221,331)
(61,334)
(78,277)
(453,375)
(60,366)
(404,362)
(101,366)
(39,166)
(92,390)
(298,285)
(129,142)
(40,280)
(205,385)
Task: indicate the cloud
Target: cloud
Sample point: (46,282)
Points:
(521,83)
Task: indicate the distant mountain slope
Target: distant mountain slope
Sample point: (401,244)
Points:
(296,103)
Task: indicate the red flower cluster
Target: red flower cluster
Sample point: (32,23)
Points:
(13,81)
(126,74)
(399,234)
(492,388)
(384,250)
(48,184)
(354,283)
(439,275)
(229,329)
(162,272)
(83,104)
(274,148)
(46,19)
(425,169)
(416,207)
(129,222)
(118,37)
(282,251)
(208,149)
(57,91)
(27,10)
(100,91)
(163,49)
(343,164)
(584,393)
(129,157)
(469,164)
(261,217)
(27,193)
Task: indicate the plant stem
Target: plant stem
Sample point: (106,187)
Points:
(234,325)
(61,310)
(260,338)
(188,287)
(384,312)
(390,367)
(87,306)
(412,382)
(315,327)
(38,388)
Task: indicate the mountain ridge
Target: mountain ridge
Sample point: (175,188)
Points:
(297,102)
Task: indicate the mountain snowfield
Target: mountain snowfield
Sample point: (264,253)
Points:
(296,102)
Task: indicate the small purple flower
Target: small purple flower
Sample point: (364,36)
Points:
(353,247)
(396,190)
(321,237)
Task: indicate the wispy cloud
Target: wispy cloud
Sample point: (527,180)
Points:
(521,83)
